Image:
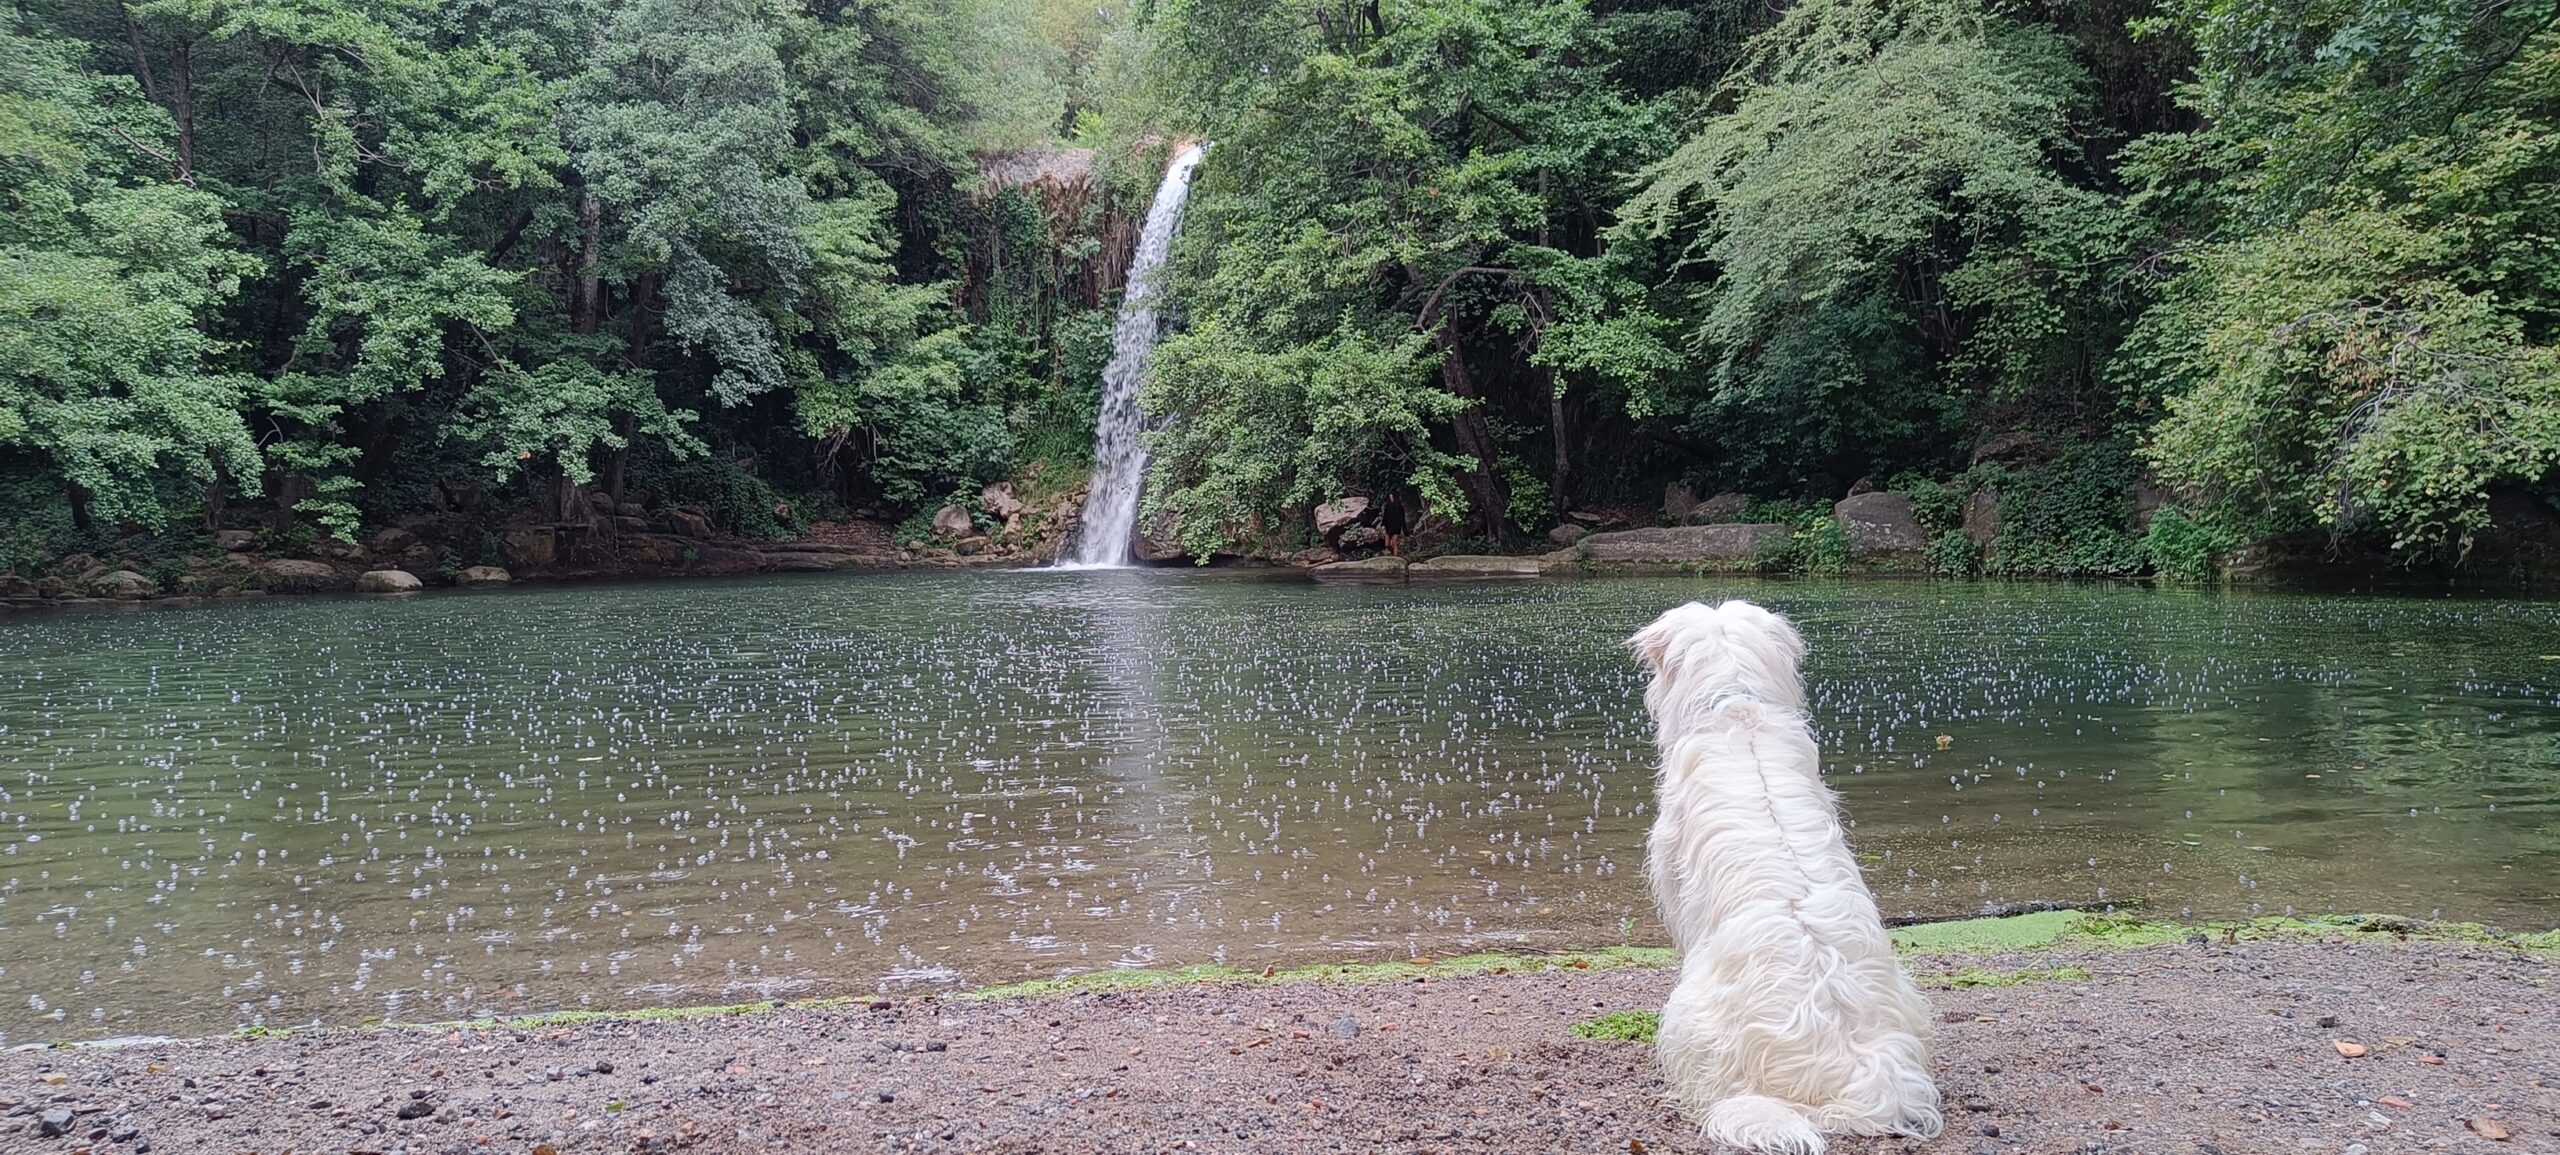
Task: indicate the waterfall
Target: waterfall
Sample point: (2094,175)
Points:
(1119,452)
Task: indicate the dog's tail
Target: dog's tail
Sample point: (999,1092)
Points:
(1760,1123)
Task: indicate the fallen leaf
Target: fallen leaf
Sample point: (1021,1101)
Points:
(2347,1049)
(2488,1128)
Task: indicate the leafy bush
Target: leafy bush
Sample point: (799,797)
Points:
(1952,555)
(2183,549)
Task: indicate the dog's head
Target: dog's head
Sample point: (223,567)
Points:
(1700,655)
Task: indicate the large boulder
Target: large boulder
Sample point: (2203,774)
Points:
(1386,568)
(953,521)
(123,585)
(1361,537)
(1567,534)
(234,540)
(1340,514)
(1000,501)
(1678,502)
(1721,509)
(1880,524)
(482,575)
(388,581)
(1682,544)
(393,542)
(300,575)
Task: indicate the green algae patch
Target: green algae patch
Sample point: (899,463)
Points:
(1396,970)
(1987,935)
(1621,1026)
(1992,977)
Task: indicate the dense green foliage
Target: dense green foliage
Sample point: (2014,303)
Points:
(2107,287)
(2287,266)
(364,257)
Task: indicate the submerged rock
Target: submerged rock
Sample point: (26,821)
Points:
(1477,566)
(1383,568)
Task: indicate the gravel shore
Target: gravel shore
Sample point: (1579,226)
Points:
(2187,1047)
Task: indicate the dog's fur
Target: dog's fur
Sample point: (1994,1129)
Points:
(1791,1016)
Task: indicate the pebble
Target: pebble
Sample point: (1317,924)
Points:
(1346,1028)
(54,1121)
(416,1109)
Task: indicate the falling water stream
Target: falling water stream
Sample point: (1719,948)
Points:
(1119,453)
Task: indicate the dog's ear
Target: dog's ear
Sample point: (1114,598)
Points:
(1652,643)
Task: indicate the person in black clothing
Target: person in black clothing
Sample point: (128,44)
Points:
(1391,522)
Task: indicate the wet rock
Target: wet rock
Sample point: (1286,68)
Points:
(1340,514)
(124,585)
(388,581)
(1476,566)
(952,521)
(1567,534)
(1682,545)
(482,575)
(1880,525)
(55,1121)
(234,540)
(1366,569)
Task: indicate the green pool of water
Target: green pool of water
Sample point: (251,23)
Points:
(299,811)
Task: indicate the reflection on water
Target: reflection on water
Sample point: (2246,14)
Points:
(448,806)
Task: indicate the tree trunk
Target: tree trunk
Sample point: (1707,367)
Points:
(1555,429)
(1483,484)
(183,107)
(590,288)
(616,460)
(132,36)
(217,497)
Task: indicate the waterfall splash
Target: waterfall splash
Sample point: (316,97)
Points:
(1119,453)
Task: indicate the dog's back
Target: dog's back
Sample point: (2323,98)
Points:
(1791,1015)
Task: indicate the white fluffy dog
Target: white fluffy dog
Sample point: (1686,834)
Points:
(1791,1017)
